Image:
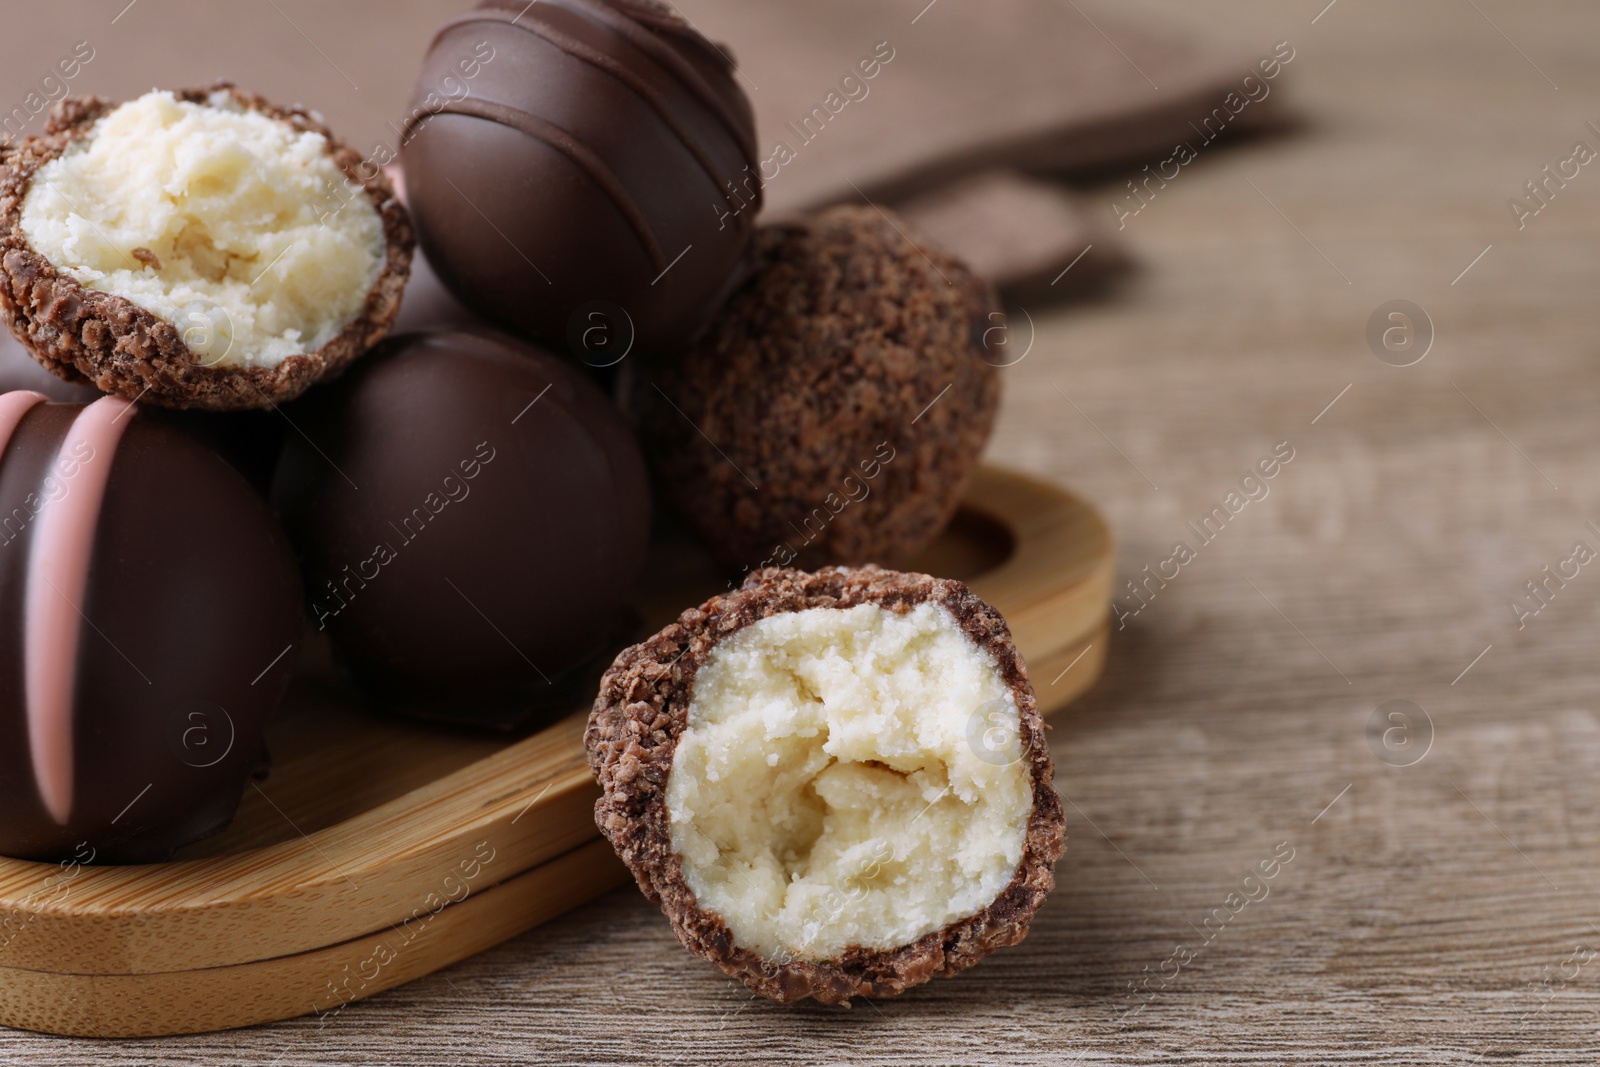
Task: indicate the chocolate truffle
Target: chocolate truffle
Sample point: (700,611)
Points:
(149,613)
(580,156)
(834,784)
(837,407)
(470,515)
(196,249)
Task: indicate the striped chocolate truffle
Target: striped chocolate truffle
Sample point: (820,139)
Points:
(149,611)
(584,171)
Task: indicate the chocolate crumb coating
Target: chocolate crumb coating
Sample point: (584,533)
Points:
(836,409)
(89,337)
(642,711)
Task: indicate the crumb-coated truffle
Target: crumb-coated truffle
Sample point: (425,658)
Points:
(196,249)
(835,784)
(835,410)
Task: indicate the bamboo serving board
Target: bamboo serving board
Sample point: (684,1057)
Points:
(381,850)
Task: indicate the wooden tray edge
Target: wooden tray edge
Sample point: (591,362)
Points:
(320,982)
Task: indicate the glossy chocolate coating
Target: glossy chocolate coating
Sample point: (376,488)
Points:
(249,440)
(471,514)
(561,157)
(185,634)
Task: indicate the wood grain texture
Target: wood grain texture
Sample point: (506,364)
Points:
(1428,915)
(324,982)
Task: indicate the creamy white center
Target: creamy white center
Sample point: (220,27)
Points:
(233,226)
(848,777)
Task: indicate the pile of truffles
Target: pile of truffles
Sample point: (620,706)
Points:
(232,437)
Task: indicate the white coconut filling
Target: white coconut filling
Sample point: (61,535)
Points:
(848,777)
(233,226)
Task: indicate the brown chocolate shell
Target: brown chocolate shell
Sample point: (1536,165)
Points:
(86,336)
(642,710)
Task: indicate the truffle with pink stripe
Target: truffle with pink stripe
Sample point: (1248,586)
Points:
(149,614)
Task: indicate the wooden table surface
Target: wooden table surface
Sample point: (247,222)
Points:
(1440,912)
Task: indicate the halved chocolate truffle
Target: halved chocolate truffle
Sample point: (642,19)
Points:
(196,249)
(579,157)
(834,784)
(836,408)
(149,612)
(470,514)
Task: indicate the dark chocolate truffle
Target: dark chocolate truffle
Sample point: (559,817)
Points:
(834,784)
(149,613)
(575,157)
(836,409)
(471,514)
(196,249)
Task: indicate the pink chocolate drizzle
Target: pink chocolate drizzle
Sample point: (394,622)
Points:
(12,407)
(58,580)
